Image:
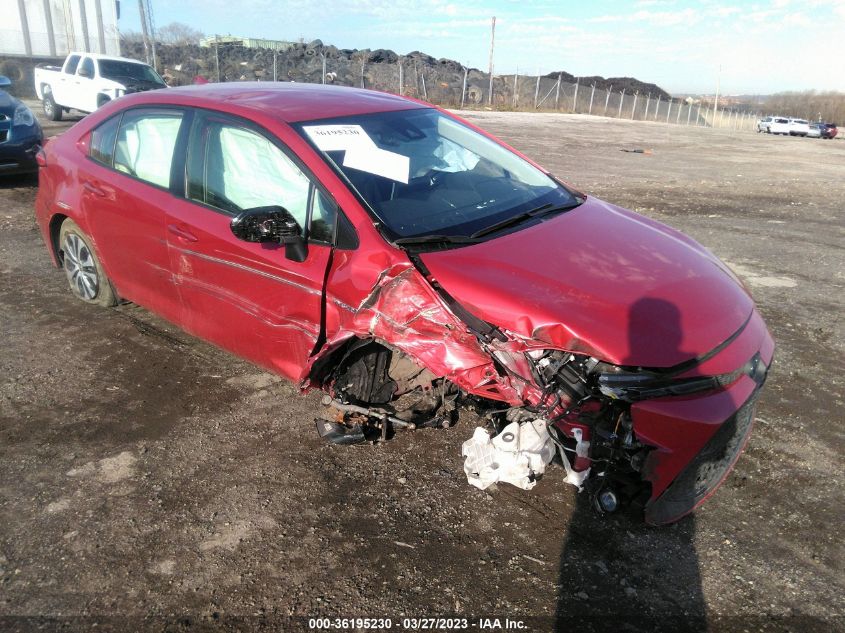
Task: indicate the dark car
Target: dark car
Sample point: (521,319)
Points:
(410,264)
(20,134)
(827,130)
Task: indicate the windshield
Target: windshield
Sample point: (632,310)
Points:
(118,70)
(423,173)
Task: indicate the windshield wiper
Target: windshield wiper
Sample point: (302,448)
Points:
(519,218)
(435,239)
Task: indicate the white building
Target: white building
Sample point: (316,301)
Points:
(42,28)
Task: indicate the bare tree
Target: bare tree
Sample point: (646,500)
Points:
(179,34)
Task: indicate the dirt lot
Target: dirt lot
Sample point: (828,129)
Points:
(151,481)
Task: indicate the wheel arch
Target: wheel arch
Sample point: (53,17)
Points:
(54,227)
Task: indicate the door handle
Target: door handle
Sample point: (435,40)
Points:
(182,234)
(89,186)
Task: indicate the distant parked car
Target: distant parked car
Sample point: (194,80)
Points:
(778,125)
(20,134)
(815,130)
(828,130)
(798,127)
(763,124)
(86,81)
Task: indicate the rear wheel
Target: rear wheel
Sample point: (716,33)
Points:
(85,275)
(51,109)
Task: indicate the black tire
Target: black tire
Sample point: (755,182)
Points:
(51,109)
(87,279)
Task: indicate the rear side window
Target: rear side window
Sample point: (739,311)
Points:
(145,144)
(72,63)
(102,141)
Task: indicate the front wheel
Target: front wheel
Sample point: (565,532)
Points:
(85,275)
(51,108)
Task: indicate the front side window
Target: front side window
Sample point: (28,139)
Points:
(423,173)
(129,72)
(233,169)
(145,144)
(87,68)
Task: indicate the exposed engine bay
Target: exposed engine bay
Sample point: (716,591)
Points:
(582,420)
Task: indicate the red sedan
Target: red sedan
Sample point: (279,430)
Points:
(408,263)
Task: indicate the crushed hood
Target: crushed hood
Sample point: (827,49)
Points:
(600,280)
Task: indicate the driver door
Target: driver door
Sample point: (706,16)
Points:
(245,296)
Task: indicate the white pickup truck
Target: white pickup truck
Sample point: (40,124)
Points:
(87,80)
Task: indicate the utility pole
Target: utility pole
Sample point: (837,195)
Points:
(152,32)
(492,46)
(146,36)
(716,101)
(557,91)
(217,56)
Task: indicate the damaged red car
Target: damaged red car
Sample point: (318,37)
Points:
(410,265)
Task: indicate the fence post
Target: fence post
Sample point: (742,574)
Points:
(668,111)
(362,71)
(698,115)
(400,76)
(275,54)
(657,108)
(515,87)
(575,96)
(537,89)
(323,55)
(557,92)
(647,102)
(425,91)
(592,94)
(607,99)
(634,109)
(678,118)
(706,115)
(621,99)
(464,87)
(689,112)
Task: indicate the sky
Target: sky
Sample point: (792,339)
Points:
(762,47)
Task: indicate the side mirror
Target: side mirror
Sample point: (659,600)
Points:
(5,81)
(271,224)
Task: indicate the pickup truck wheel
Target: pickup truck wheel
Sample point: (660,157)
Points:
(85,275)
(51,109)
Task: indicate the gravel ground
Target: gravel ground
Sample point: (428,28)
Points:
(149,481)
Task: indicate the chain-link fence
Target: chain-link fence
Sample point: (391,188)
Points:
(442,82)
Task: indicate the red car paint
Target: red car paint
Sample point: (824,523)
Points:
(598,280)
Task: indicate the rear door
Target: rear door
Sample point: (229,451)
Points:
(65,82)
(248,297)
(82,86)
(126,189)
